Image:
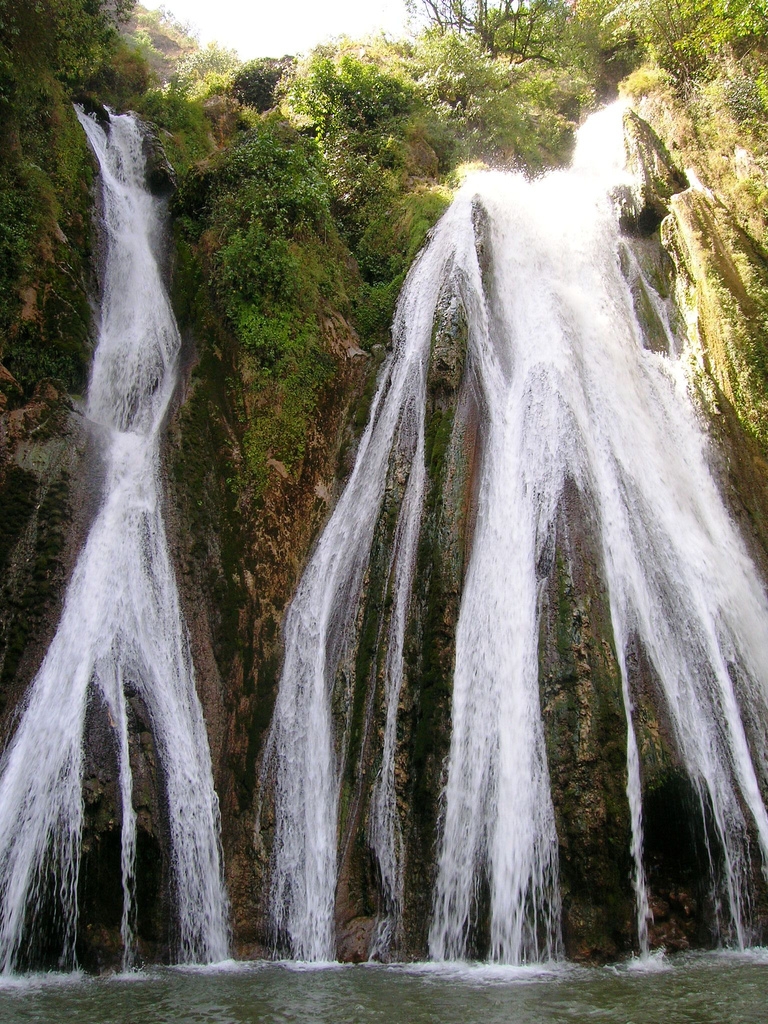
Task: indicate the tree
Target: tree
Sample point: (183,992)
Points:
(70,38)
(212,66)
(256,82)
(349,94)
(604,43)
(686,36)
(520,29)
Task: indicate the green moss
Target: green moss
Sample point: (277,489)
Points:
(279,429)
(202,477)
(723,279)
(363,408)
(186,131)
(261,716)
(585,735)
(210,508)
(375,310)
(371,641)
(276,266)
(431,660)
(44,243)
(395,233)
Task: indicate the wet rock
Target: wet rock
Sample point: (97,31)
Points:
(643,206)
(585,733)
(45,504)
(481,222)
(353,941)
(449,345)
(95,109)
(238,562)
(160,175)
(722,291)
(649,272)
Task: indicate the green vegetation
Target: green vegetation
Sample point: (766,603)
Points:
(47,51)
(534,30)
(307,186)
(688,37)
(258,215)
(256,83)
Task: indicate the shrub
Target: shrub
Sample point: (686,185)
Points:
(212,63)
(349,95)
(188,138)
(255,84)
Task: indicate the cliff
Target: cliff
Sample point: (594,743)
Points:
(283,289)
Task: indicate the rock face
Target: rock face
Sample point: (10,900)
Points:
(161,177)
(424,706)
(453,420)
(49,490)
(238,562)
(585,730)
(46,501)
(581,692)
(645,204)
(722,291)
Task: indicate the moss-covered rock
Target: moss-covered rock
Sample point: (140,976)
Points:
(46,172)
(657,177)
(722,290)
(649,272)
(160,175)
(43,497)
(239,541)
(585,729)
(452,423)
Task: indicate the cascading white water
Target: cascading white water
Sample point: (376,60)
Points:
(569,393)
(121,629)
(318,625)
(384,831)
(577,396)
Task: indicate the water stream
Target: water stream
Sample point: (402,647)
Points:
(570,393)
(318,626)
(121,631)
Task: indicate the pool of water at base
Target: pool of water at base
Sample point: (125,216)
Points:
(702,988)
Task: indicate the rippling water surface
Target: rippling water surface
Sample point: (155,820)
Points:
(715,988)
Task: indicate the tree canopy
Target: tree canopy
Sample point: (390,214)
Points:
(520,29)
(69,38)
(685,36)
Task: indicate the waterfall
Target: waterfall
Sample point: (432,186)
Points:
(574,393)
(121,630)
(570,391)
(319,625)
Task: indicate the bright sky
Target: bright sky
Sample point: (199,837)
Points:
(271,28)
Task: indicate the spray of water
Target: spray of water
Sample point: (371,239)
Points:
(121,630)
